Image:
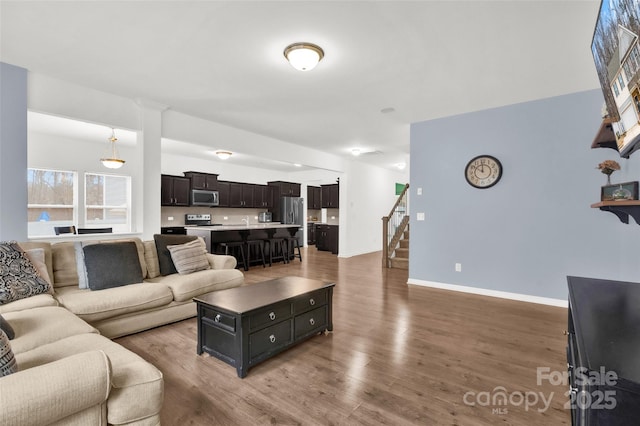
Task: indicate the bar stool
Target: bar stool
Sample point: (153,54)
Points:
(292,245)
(232,247)
(277,245)
(257,246)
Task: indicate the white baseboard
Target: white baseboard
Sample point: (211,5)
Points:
(493,293)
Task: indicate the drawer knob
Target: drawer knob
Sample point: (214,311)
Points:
(272,316)
(272,338)
(312,321)
(312,302)
(217,318)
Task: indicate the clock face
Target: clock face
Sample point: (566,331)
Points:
(483,171)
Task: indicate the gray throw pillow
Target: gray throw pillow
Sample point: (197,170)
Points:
(164,256)
(189,257)
(6,327)
(112,265)
(19,278)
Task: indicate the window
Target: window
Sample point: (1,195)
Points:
(621,81)
(51,200)
(107,201)
(615,88)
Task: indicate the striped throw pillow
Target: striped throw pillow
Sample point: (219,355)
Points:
(8,363)
(189,257)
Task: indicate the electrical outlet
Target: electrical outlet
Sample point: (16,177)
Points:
(458,267)
(420,216)
(170,218)
(419,191)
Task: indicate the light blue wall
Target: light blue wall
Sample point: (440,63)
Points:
(535,227)
(13,152)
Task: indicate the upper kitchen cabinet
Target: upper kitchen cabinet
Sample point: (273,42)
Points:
(331,196)
(263,196)
(224,193)
(284,189)
(174,190)
(314,197)
(203,180)
(241,194)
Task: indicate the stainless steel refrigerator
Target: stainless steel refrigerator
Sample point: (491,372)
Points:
(292,212)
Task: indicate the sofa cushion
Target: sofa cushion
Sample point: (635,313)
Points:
(151,258)
(48,258)
(29,303)
(112,265)
(97,305)
(19,278)
(137,386)
(186,287)
(36,256)
(64,264)
(164,257)
(7,359)
(189,257)
(39,326)
(6,327)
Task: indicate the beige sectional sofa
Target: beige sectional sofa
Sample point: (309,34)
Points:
(69,370)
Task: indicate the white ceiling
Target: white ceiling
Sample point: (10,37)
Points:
(223,61)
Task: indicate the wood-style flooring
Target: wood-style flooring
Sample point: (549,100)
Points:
(398,355)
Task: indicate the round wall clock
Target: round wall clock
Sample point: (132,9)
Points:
(483,171)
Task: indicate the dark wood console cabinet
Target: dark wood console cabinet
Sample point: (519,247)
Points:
(603,352)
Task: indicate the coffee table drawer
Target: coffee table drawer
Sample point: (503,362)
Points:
(218,319)
(313,320)
(271,315)
(270,339)
(309,301)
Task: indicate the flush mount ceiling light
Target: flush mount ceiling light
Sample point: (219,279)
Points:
(111,160)
(223,155)
(303,56)
(356,152)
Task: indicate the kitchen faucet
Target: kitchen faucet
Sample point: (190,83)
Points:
(246,219)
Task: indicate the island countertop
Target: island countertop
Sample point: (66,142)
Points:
(243,227)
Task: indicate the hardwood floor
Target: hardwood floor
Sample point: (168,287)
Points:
(398,355)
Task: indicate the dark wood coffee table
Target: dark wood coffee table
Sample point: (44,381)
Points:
(246,325)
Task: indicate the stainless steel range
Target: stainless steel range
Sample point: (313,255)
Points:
(197,219)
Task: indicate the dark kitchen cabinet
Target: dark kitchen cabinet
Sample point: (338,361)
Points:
(311,233)
(331,196)
(262,196)
(224,189)
(314,197)
(174,190)
(285,189)
(203,180)
(241,194)
(327,238)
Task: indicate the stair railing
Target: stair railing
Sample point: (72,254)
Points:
(394,225)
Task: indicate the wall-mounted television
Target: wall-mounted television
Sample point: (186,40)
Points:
(616,53)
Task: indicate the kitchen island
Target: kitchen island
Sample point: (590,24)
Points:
(216,234)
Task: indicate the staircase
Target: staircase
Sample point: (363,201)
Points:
(400,256)
(395,234)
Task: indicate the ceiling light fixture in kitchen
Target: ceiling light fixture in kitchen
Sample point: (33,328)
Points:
(111,160)
(356,152)
(223,155)
(303,56)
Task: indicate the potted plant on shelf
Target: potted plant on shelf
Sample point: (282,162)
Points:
(608,167)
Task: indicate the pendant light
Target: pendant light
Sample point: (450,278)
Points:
(112,161)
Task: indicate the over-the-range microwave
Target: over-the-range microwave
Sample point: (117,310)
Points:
(203,197)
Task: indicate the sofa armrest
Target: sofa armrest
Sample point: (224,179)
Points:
(53,391)
(221,261)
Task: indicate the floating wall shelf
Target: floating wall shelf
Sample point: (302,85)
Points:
(622,209)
